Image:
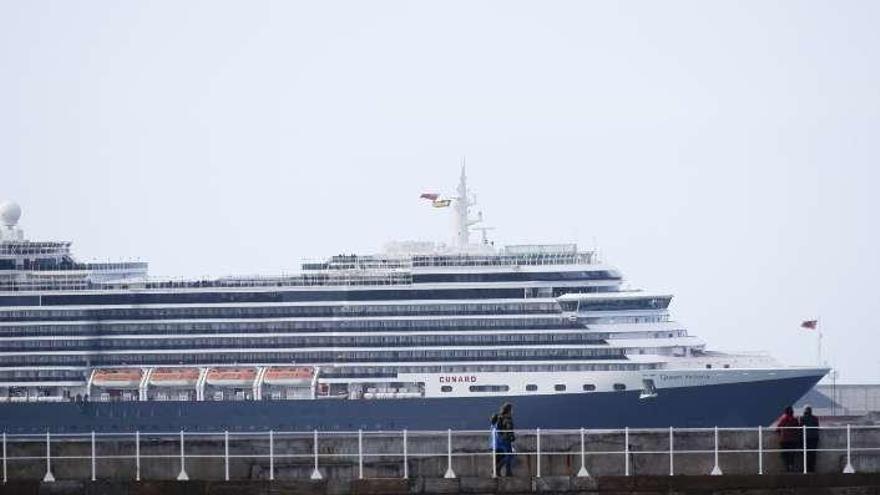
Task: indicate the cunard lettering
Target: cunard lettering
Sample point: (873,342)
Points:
(458,379)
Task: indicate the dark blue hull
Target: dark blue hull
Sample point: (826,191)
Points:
(729,405)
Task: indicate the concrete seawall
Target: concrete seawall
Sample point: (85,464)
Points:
(851,484)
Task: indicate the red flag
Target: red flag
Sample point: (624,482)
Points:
(810,324)
(429,196)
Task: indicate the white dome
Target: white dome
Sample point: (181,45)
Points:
(10,212)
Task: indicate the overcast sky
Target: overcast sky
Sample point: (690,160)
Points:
(726,152)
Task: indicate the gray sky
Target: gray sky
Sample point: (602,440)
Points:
(724,151)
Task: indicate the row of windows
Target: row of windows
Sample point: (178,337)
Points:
(554,292)
(99,331)
(624,304)
(22,248)
(623,319)
(317,357)
(559,387)
(198,297)
(480,388)
(388,371)
(514,276)
(342,310)
(63,263)
(99,344)
(40,375)
(650,335)
(529,258)
(527,323)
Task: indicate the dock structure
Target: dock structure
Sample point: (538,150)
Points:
(677,459)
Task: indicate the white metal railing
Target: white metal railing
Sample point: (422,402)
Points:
(473,260)
(596,452)
(330,279)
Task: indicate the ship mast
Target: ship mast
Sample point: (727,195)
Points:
(462,205)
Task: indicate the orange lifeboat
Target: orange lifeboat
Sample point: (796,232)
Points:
(118,378)
(174,377)
(231,377)
(277,375)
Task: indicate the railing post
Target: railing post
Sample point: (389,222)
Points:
(5,479)
(316,473)
(182,476)
(716,471)
(537,452)
(582,472)
(49,477)
(804,442)
(271,455)
(626,451)
(493,439)
(449,472)
(137,455)
(848,469)
(226,455)
(405,460)
(93,456)
(671,454)
(360,454)
(760,449)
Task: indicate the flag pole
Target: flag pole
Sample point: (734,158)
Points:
(819,339)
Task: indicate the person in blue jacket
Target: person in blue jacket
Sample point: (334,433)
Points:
(495,443)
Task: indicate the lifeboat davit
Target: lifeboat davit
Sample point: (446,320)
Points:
(231,377)
(301,376)
(118,378)
(174,377)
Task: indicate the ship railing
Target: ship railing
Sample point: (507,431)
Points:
(535,259)
(271,454)
(341,279)
(459,260)
(30,248)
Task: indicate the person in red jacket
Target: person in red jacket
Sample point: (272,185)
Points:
(789,439)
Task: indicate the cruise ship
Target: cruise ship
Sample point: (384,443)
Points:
(422,336)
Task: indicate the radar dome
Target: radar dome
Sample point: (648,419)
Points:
(10,212)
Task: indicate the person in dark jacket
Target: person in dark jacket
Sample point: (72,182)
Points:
(506,437)
(812,426)
(789,439)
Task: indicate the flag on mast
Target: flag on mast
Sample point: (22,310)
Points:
(810,324)
(814,325)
